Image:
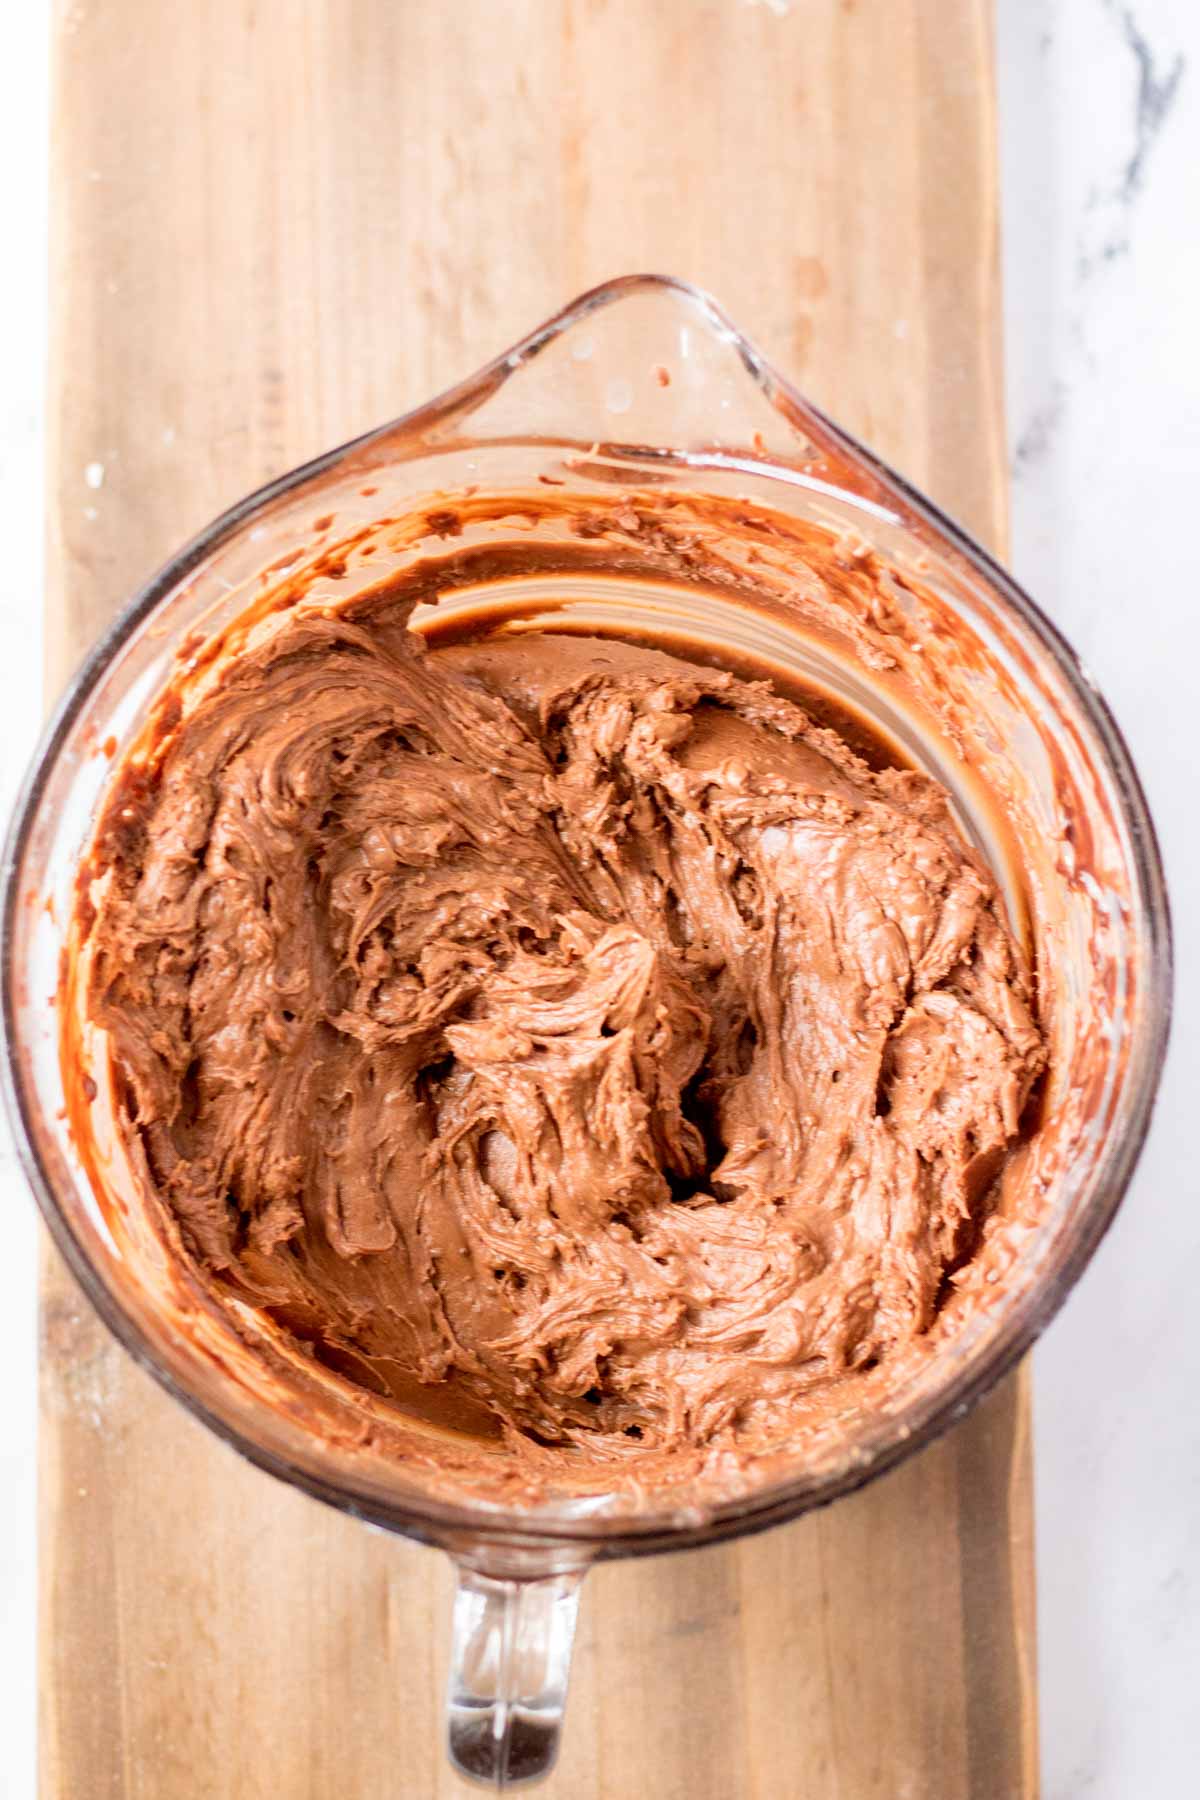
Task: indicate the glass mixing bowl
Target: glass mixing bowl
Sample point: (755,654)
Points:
(641,402)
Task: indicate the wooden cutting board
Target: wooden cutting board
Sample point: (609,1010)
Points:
(276,223)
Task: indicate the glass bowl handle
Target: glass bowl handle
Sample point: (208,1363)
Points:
(510,1662)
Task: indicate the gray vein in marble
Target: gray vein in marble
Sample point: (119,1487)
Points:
(1036,439)
(1155,96)
(1105,224)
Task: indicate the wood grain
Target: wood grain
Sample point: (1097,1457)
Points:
(275,224)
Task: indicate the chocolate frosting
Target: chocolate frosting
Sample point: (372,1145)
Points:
(555,1028)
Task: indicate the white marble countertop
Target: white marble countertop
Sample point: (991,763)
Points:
(1100,142)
